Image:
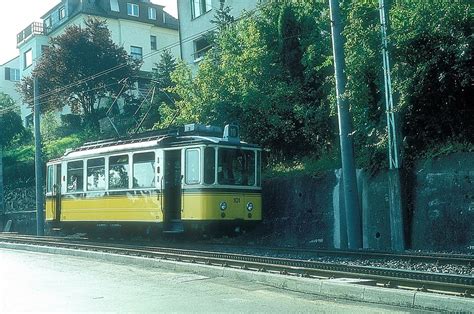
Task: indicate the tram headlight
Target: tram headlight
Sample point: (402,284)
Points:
(249,206)
(223,205)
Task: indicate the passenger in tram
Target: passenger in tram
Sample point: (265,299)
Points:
(72,187)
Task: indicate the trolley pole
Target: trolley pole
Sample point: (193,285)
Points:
(351,198)
(38,163)
(395,161)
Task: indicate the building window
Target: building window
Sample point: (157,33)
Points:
(136,52)
(12,74)
(199,7)
(28,58)
(47,23)
(152,13)
(132,9)
(62,13)
(114,6)
(201,46)
(153,42)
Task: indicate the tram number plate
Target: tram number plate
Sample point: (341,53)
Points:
(237,200)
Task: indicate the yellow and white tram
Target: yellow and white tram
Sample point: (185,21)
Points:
(177,180)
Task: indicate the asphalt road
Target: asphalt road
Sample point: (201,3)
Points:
(39,282)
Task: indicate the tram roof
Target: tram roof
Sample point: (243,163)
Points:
(151,140)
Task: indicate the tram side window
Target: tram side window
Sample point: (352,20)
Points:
(209,165)
(75,176)
(96,174)
(236,167)
(118,172)
(144,170)
(49,179)
(192,166)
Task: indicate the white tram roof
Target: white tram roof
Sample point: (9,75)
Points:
(106,147)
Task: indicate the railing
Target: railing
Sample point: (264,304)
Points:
(35,28)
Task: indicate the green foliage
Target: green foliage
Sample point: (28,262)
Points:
(289,31)
(74,59)
(20,153)
(433,70)
(364,89)
(222,18)
(56,148)
(272,73)
(328,161)
(10,121)
(445,148)
(164,97)
(244,80)
(50,124)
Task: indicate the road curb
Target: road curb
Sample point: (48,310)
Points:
(322,287)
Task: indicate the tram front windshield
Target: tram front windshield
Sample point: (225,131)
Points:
(236,167)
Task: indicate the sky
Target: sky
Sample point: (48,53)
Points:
(18,14)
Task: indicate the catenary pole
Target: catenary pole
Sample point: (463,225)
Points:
(395,162)
(351,198)
(38,163)
(2,193)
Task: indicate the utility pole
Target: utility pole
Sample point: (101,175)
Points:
(38,163)
(395,161)
(351,198)
(2,193)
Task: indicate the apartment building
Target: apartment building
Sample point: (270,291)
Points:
(195,18)
(10,76)
(141,27)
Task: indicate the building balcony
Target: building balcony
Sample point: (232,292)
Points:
(35,28)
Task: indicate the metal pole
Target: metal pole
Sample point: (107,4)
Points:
(351,199)
(394,155)
(2,193)
(38,164)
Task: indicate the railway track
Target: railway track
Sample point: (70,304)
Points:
(462,285)
(422,257)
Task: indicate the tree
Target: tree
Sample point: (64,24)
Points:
(10,122)
(434,72)
(289,30)
(223,18)
(80,68)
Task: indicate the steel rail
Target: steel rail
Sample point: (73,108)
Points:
(436,258)
(424,281)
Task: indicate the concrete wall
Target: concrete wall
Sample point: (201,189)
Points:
(309,211)
(443,203)
(299,211)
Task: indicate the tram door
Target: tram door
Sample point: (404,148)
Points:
(57,192)
(55,188)
(172,191)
